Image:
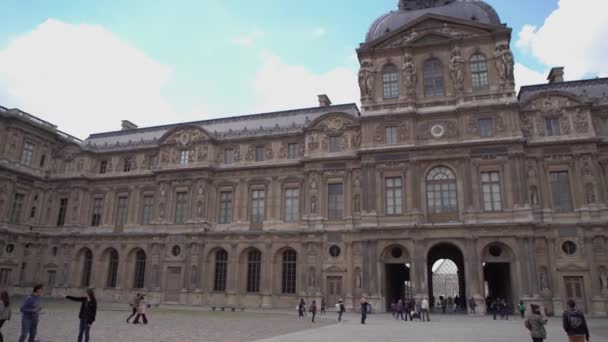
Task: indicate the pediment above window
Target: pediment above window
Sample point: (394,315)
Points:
(336,122)
(184,136)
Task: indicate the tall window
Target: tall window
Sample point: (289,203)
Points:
(103,166)
(139,276)
(479,72)
(254,266)
(335,201)
(292,205)
(86,268)
(552,126)
(334,144)
(486,128)
(293,151)
(67,167)
(390,82)
(51,275)
(112,269)
(441,191)
(27,154)
(5,276)
(490,186)
(42,160)
(257,206)
(17,207)
(433,78)
(221,270)
(228,156)
(180,207)
(63,207)
(184,157)
(225,207)
(393,196)
(288,278)
(259,153)
(152,161)
(127,164)
(560,190)
(147,209)
(390,135)
(96,215)
(121,211)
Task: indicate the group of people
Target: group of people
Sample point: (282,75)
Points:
(500,307)
(412,309)
(138,309)
(573,321)
(450,304)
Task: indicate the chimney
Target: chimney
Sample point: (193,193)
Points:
(127,125)
(324,101)
(556,75)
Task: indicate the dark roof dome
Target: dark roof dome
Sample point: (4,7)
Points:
(410,10)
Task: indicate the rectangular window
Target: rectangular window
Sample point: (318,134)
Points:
(147,209)
(225,207)
(5,277)
(257,206)
(393,196)
(181,201)
(103,166)
(490,186)
(28,154)
(259,153)
(552,126)
(68,167)
(486,128)
(96,215)
(63,207)
(292,205)
(390,135)
(17,207)
(293,151)
(184,157)
(228,156)
(335,201)
(121,211)
(51,278)
(152,161)
(560,191)
(334,144)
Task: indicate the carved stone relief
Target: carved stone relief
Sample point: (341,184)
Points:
(366,81)
(410,76)
(504,64)
(449,126)
(581,124)
(456,66)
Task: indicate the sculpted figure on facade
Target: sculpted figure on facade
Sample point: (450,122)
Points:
(366,81)
(604,280)
(268,152)
(544,283)
(313,142)
(590,193)
(313,205)
(456,66)
(581,124)
(504,64)
(410,76)
(203,152)
(356,139)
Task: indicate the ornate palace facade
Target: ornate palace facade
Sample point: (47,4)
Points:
(443,161)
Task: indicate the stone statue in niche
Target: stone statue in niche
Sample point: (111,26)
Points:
(313,142)
(366,80)
(604,280)
(504,63)
(534,196)
(199,209)
(312,283)
(589,193)
(161,210)
(357,204)
(456,66)
(544,283)
(358,278)
(410,78)
(356,139)
(313,205)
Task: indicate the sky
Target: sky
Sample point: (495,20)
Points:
(86,65)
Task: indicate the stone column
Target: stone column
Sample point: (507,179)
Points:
(267,273)
(233,273)
(597,302)
(523,268)
(556,284)
(419,270)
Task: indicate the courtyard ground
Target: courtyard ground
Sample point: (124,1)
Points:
(59,323)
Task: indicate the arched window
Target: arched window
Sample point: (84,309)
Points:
(139,275)
(288,279)
(433,78)
(479,72)
(441,191)
(390,82)
(221,270)
(86,268)
(112,269)
(254,263)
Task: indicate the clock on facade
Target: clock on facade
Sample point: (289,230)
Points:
(437,131)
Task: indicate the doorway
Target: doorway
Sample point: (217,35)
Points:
(397,283)
(575,290)
(334,293)
(497,280)
(451,267)
(174,275)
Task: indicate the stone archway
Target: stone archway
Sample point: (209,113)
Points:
(497,262)
(395,263)
(454,286)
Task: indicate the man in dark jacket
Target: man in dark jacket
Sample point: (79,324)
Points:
(575,324)
(31,314)
(87,314)
(364,304)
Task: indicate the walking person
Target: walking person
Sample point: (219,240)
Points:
(301,308)
(313,310)
(364,304)
(134,305)
(141,310)
(31,314)
(536,324)
(5,310)
(340,309)
(399,310)
(494,308)
(424,310)
(323,305)
(88,311)
(407,308)
(575,324)
(522,309)
(472,305)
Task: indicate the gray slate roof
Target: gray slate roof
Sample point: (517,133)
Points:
(290,121)
(594,90)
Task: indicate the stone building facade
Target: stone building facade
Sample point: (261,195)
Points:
(443,161)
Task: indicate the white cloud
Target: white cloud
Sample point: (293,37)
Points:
(83,78)
(526,76)
(573,36)
(319,31)
(279,85)
(244,41)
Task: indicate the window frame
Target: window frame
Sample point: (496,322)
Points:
(225,208)
(257,205)
(122,210)
(103,167)
(479,72)
(229,156)
(139,271)
(87,268)
(96,211)
(390,82)
(220,271)
(17,207)
(112,275)
(562,191)
(291,202)
(147,208)
(487,134)
(293,150)
(27,153)
(289,271)
(553,126)
(391,135)
(63,208)
(254,271)
(181,207)
(334,144)
(391,193)
(433,78)
(259,153)
(336,213)
(494,190)
(447,185)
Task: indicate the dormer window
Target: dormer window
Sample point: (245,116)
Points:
(334,144)
(28,154)
(184,157)
(433,78)
(390,82)
(127,164)
(552,126)
(103,166)
(479,72)
(228,156)
(259,153)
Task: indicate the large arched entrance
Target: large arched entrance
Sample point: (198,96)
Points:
(446,277)
(497,259)
(396,275)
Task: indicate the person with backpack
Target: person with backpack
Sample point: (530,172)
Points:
(536,324)
(522,309)
(313,310)
(30,310)
(575,324)
(340,309)
(5,310)
(301,308)
(87,314)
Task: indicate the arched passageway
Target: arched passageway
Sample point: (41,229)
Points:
(444,252)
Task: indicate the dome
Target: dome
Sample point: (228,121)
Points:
(410,10)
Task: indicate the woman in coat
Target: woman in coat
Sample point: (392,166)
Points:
(536,324)
(141,310)
(5,310)
(88,311)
